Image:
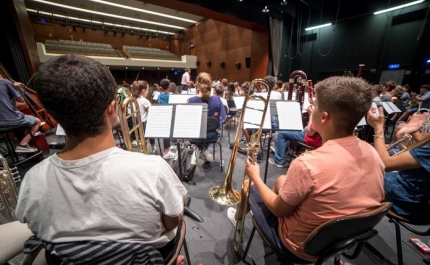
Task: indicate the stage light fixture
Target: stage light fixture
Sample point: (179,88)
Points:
(284,3)
(319,26)
(265,10)
(398,7)
(428,61)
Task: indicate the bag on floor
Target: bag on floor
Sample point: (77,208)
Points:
(188,163)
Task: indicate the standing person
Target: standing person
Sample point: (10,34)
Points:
(11,116)
(140,92)
(164,99)
(215,82)
(155,93)
(312,193)
(185,82)
(144,206)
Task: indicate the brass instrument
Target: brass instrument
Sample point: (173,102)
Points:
(131,123)
(225,194)
(301,82)
(8,191)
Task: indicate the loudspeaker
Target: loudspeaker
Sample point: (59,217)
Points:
(237,65)
(197,63)
(222,64)
(248,62)
(208,63)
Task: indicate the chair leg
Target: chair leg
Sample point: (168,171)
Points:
(398,242)
(187,255)
(249,243)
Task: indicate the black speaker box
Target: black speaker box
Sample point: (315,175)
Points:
(197,63)
(237,65)
(222,64)
(248,62)
(208,63)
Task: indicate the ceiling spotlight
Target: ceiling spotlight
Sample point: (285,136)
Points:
(158,68)
(143,67)
(172,69)
(284,2)
(265,10)
(126,67)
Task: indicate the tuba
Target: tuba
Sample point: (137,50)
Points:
(8,191)
(225,194)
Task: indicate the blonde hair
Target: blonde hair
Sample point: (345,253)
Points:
(205,84)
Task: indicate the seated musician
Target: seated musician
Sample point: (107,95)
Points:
(311,192)
(11,116)
(92,191)
(407,181)
(215,108)
(309,136)
(423,97)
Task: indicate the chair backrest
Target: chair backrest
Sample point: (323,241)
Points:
(213,123)
(332,232)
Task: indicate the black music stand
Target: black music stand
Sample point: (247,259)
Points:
(202,135)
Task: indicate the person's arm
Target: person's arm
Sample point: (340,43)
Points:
(423,98)
(398,162)
(273,201)
(171,223)
(310,128)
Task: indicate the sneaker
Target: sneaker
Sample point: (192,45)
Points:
(230,215)
(169,155)
(153,150)
(25,149)
(273,149)
(208,155)
(272,161)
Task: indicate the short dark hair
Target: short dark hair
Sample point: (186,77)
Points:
(425,87)
(219,90)
(378,89)
(390,84)
(271,80)
(76,90)
(346,99)
(165,83)
(279,83)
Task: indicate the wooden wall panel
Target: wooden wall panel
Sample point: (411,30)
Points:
(217,42)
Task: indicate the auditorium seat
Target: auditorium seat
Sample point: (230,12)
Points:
(148,53)
(80,47)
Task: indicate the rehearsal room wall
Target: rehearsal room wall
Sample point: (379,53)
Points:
(217,42)
(375,41)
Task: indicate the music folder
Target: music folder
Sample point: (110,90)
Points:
(389,107)
(177,121)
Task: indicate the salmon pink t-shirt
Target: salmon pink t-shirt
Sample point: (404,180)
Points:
(342,177)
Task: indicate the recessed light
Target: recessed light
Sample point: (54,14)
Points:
(143,67)
(126,67)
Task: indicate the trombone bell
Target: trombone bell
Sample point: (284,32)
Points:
(221,195)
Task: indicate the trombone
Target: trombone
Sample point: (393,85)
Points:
(225,194)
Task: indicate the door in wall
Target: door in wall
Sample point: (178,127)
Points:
(393,75)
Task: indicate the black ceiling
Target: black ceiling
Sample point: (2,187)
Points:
(310,11)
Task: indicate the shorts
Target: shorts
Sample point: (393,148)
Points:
(27,120)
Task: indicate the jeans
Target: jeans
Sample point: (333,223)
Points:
(282,143)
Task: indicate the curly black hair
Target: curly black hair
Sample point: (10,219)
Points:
(76,91)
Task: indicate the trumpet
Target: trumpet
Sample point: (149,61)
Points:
(8,191)
(225,194)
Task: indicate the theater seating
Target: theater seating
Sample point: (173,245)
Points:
(80,47)
(149,53)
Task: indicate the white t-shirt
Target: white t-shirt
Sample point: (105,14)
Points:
(112,195)
(143,105)
(224,102)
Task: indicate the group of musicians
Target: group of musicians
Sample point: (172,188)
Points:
(94,192)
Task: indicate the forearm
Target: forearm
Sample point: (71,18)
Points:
(379,144)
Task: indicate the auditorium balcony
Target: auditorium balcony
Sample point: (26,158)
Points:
(148,53)
(80,47)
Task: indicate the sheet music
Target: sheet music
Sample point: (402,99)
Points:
(289,115)
(159,120)
(60,130)
(254,116)
(286,95)
(394,107)
(376,108)
(362,122)
(305,103)
(387,107)
(188,119)
(238,101)
(178,99)
(156,95)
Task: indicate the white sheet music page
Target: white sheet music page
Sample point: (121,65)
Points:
(238,101)
(159,121)
(292,98)
(289,115)
(394,107)
(188,120)
(60,130)
(362,122)
(387,107)
(178,99)
(254,116)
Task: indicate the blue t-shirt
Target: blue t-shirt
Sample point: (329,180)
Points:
(405,97)
(214,106)
(8,94)
(409,190)
(163,98)
(426,103)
